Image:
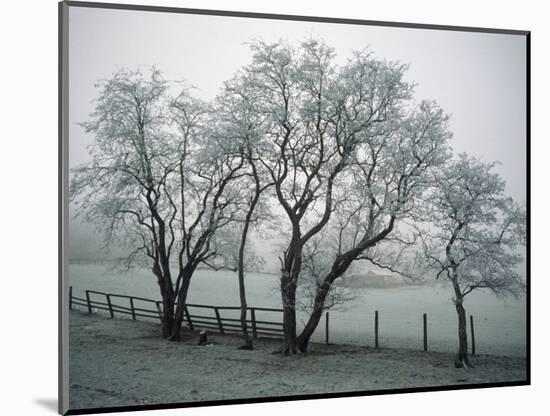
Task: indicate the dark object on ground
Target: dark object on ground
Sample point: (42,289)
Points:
(203,338)
(247,346)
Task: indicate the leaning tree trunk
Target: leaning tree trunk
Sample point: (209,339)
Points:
(314,318)
(461,359)
(339,267)
(175,333)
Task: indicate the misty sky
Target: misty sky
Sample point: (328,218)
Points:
(478,78)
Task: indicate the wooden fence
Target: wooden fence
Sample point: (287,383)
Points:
(216,321)
(195,316)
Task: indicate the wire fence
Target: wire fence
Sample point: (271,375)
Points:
(260,321)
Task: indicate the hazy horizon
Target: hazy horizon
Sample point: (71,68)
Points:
(488,118)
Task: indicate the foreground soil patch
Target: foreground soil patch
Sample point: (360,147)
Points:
(117,362)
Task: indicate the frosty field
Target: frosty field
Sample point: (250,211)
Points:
(118,362)
(500,324)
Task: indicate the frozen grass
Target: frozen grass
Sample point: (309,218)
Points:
(117,362)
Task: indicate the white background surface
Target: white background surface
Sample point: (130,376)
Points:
(28,209)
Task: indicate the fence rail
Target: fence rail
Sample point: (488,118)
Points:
(216,322)
(197,318)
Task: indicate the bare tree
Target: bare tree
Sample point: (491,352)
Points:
(473,236)
(238,133)
(341,154)
(312,132)
(151,185)
(332,134)
(387,180)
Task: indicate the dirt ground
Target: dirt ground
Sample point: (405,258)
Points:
(117,362)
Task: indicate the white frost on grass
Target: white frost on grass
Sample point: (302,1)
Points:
(117,362)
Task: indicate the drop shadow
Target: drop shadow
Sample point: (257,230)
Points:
(49,404)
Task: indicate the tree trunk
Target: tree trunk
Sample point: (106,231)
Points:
(339,268)
(175,333)
(247,339)
(314,318)
(167,317)
(167,295)
(291,269)
(242,292)
(288,291)
(462,359)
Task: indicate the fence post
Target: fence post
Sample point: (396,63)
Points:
(70,297)
(376,329)
(220,325)
(425,321)
(110,305)
(159,310)
(132,307)
(326,328)
(473,335)
(88,302)
(253,314)
(189,322)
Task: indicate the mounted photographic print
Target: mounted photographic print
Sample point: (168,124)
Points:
(266,208)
